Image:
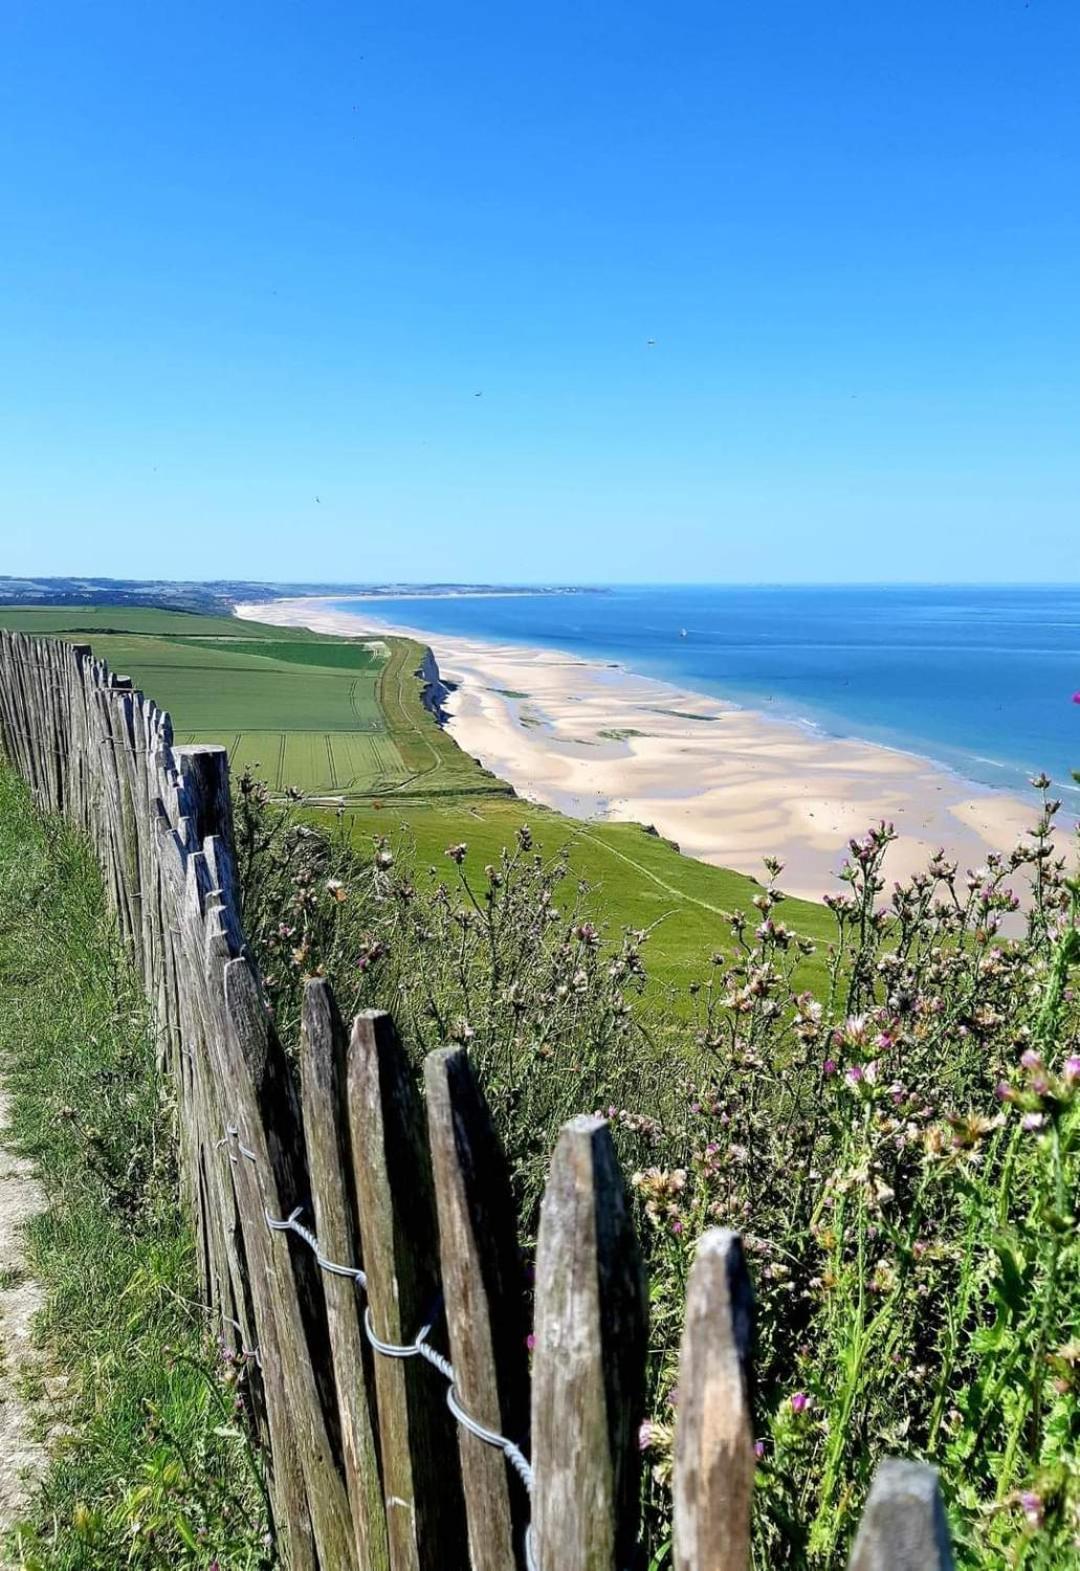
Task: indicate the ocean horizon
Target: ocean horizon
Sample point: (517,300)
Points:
(980,680)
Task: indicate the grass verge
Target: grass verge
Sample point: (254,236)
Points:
(149,1464)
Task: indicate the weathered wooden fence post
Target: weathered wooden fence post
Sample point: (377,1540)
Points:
(287,1289)
(421,1477)
(714,1440)
(323,1048)
(588,1370)
(485,1303)
(903,1525)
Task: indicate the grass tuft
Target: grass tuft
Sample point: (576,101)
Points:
(149,1466)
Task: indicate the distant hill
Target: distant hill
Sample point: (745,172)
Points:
(218,596)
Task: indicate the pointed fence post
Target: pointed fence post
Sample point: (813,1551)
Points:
(485,1303)
(588,1371)
(323,1046)
(903,1526)
(424,1508)
(286,1283)
(714,1438)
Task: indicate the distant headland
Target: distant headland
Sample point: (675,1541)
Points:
(221,595)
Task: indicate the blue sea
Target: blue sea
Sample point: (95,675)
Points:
(981,680)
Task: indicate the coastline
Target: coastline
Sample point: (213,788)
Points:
(729,785)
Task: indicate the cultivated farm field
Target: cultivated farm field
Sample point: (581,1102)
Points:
(342,722)
(326,716)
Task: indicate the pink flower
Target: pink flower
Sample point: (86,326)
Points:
(829,1067)
(644,1436)
(1032,1506)
(800,1402)
(759,1449)
(1072,1069)
(530,1341)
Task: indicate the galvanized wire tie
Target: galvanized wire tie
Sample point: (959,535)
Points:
(419,1348)
(245,1352)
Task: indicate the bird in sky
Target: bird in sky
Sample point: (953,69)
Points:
(649,343)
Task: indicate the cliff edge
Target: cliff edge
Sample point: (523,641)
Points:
(434,690)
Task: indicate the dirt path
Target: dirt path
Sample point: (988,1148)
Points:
(22,1458)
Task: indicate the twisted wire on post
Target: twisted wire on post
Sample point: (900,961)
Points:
(420,1347)
(291,1224)
(245,1352)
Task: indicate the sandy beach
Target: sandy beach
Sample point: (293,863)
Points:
(728,784)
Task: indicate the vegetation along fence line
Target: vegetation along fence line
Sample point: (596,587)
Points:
(349,1229)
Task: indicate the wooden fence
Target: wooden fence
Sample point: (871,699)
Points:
(357,1241)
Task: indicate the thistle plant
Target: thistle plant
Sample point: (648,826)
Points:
(901,1153)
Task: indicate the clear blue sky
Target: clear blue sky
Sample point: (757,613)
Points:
(254,254)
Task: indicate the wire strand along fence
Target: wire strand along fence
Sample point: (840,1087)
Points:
(357,1240)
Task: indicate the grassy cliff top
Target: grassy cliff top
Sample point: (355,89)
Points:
(344,722)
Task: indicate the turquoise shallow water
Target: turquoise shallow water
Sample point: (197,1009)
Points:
(982,680)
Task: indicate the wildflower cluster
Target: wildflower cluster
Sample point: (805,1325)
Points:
(893,1126)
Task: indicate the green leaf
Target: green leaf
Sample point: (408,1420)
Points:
(1008,1284)
(183,1527)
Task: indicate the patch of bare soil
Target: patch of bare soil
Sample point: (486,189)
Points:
(22,1455)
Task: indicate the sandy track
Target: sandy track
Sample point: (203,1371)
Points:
(22,1457)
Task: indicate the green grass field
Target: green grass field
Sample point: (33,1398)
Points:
(343,719)
(95,621)
(328,716)
(636,879)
